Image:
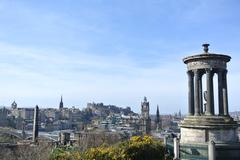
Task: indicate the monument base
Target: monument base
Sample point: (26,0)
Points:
(197,131)
(201,129)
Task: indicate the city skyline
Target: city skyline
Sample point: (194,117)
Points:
(115,52)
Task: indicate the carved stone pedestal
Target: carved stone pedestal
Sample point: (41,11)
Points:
(201,129)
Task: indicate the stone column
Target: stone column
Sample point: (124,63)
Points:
(196,93)
(190,93)
(165,141)
(225,94)
(35,124)
(23,130)
(200,94)
(220,92)
(210,95)
(176,148)
(211,150)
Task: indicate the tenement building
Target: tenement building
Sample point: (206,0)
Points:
(207,122)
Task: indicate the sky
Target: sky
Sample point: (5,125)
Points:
(115,52)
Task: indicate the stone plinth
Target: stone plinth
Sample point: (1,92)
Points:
(201,129)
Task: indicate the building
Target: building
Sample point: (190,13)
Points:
(24,113)
(4,120)
(145,117)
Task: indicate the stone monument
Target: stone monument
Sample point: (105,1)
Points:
(203,124)
(35,125)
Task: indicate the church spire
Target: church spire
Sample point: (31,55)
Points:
(158,122)
(157,115)
(61,104)
(14,105)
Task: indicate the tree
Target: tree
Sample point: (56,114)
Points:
(137,148)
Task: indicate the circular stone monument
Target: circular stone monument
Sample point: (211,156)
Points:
(202,123)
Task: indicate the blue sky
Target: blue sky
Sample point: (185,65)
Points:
(114,52)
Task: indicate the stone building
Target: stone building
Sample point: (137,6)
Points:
(145,117)
(204,125)
(24,113)
(50,113)
(4,121)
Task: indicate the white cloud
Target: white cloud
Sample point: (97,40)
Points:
(41,74)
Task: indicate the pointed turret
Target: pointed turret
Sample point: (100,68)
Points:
(14,105)
(158,120)
(61,104)
(157,115)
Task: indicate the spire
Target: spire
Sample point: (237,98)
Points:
(157,115)
(145,99)
(61,103)
(158,121)
(14,105)
(180,114)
